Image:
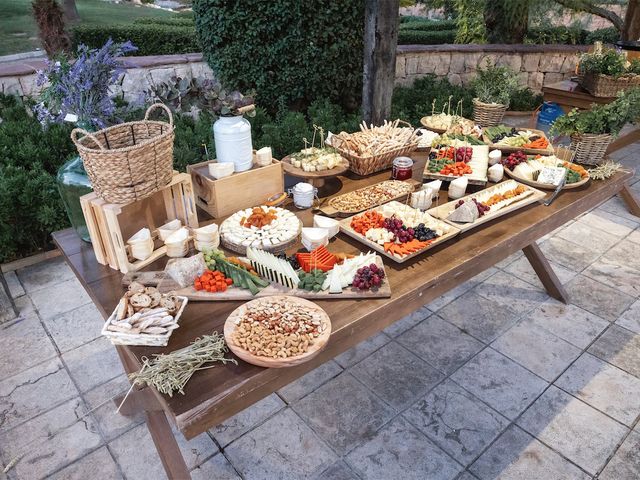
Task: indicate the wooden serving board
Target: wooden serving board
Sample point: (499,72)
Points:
(447,178)
(300,173)
(167,284)
(329,211)
(529,151)
(444,210)
(345,226)
(315,348)
(274,248)
(545,186)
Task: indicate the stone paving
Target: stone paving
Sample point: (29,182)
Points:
(492,380)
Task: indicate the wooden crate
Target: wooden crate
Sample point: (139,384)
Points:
(241,190)
(111,224)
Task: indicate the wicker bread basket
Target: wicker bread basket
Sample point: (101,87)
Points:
(589,149)
(129,161)
(488,114)
(600,85)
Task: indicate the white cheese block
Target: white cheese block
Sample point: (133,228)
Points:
(221,170)
(332,226)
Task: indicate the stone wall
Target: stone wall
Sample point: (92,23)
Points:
(537,65)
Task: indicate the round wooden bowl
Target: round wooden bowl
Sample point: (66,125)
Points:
(423,122)
(318,344)
(545,186)
(339,169)
(277,248)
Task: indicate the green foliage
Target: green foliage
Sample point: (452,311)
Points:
(524,100)
(495,84)
(550,35)
(191,135)
(428,25)
(607,62)
(290,52)
(470,21)
(184,21)
(601,119)
(151,38)
(604,35)
(421,37)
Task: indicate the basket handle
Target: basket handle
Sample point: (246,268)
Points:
(79,131)
(159,105)
(406,123)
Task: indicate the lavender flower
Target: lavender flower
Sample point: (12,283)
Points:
(81,86)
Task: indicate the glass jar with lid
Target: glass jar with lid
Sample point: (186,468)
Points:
(402,168)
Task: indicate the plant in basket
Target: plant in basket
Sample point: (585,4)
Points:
(605,72)
(493,86)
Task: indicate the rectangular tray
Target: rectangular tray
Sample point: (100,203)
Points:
(528,151)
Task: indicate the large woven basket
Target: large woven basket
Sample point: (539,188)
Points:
(600,85)
(488,114)
(129,161)
(590,149)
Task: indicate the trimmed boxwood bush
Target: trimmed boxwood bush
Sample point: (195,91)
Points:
(421,37)
(181,21)
(563,35)
(429,25)
(290,52)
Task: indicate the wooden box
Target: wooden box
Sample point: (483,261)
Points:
(227,195)
(110,224)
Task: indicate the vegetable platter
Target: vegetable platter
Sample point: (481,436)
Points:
(448,163)
(319,274)
(538,171)
(398,231)
(510,139)
(488,204)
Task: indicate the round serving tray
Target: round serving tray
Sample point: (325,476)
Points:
(424,123)
(545,186)
(318,344)
(277,248)
(300,173)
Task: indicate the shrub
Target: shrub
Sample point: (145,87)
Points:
(428,25)
(184,21)
(151,39)
(290,52)
(495,84)
(563,35)
(604,35)
(524,100)
(421,37)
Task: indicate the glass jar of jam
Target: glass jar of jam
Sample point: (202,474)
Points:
(402,168)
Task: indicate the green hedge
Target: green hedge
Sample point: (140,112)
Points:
(604,35)
(563,35)
(176,21)
(151,39)
(421,37)
(429,25)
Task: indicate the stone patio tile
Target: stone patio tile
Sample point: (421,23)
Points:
(568,254)
(396,375)
(344,413)
(111,424)
(25,306)
(604,387)
(619,347)
(217,467)
(625,464)
(309,382)
(23,344)
(630,319)
(571,323)
(456,421)
(15,287)
(610,224)
(51,440)
(598,298)
(96,465)
(242,422)
(33,392)
(634,236)
(466,476)
(77,327)
(338,471)
(362,350)
(136,453)
(617,207)
(456,292)
(482,317)
(407,322)
(516,455)
(523,270)
(93,364)
(536,349)
(45,274)
(59,298)
(401,451)
(624,253)
(579,432)
(499,382)
(580,232)
(512,292)
(616,275)
(440,343)
(283,447)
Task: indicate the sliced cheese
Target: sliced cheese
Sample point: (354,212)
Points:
(332,226)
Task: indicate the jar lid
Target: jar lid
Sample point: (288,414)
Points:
(403,162)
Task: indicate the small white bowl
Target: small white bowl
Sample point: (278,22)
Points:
(168,228)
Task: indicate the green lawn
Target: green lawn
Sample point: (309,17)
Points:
(18,31)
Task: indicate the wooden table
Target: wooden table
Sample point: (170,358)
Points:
(568,94)
(216,394)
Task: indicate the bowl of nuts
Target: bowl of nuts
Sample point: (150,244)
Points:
(277,331)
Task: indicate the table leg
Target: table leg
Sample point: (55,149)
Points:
(545,273)
(630,199)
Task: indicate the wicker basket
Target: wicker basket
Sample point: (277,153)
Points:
(488,114)
(600,85)
(129,161)
(590,149)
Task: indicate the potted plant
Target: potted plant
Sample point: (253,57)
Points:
(76,90)
(591,131)
(493,88)
(605,72)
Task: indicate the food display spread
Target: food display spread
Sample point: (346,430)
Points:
(544,171)
(447,162)
(511,139)
(371,141)
(364,198)
(315,159)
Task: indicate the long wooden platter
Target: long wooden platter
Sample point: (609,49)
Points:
(443,211)
(427,175)
(300,173)
(167,284)
(529,151)
(345,227)
(545,186)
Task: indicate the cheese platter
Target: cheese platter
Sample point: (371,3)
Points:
(544,171)
(397,230)
(511,139)
(486,205)
(449,162)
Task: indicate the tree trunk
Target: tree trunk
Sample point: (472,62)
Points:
(380,42)
(631,26)
(70,11)
(506,21)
